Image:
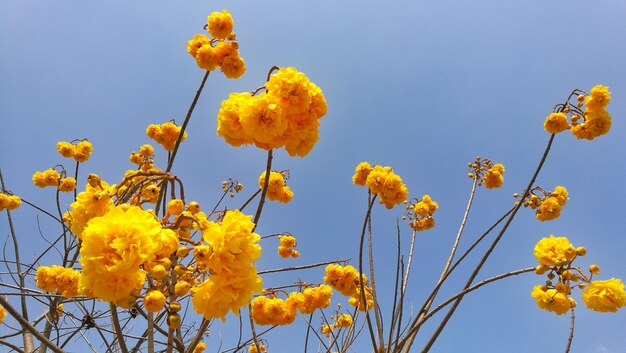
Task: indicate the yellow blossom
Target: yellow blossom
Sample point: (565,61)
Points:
(3,314)
(551,300)
(605,296)
(493,177)
(114,247)
(154,301)
(220,24)
(554,251)
(555,123)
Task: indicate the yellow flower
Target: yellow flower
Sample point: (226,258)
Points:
(83,151)
(549,209)
(154,301)
(554,251)
(360,173)
(383,182)
(343,320)
(49,177)
(93,202)
(233,66)
(166,134)
(264,119)
(598,98)
(555,123)
(58,279)
(67,184)
(114,247)
(66,149)
(220,24)
(233,280)
(561,195)
(228,122)
(9,202)
(551,300)
(345,279)
(605,296)
(493,177)
(3,314)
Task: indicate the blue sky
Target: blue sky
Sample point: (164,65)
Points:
(421,86)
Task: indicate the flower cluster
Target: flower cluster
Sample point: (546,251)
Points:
(58,279)
(230,258)
(286,114)
(342,321)
(145,157)
(220,51)
(277,190)
(80,151)
(555,256)
(165,134)
(3,314)
(345,279)
(547,205)
(51,177)
(9,202)
(232,186)
(286,247)
(486,173)
(383,182)
(596,120)
(114,249)
(93,202)
(275,311)
(420,213)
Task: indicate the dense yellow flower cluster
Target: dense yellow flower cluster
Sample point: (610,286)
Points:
(493,177)
(220,51)
(93,202)
(547,205)
(3,314)
(275,311)
(605,296)
(51,177)
(383,182)
(345,279)
(555,256)
(596,120)
(58,279)
(286,247)
(420,214)
(277,190)
(165,134)
(554,251)
(9,202)
(80,152)
(287,114)
(114,249)
(230,261)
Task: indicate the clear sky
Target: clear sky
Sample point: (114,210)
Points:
(422,86)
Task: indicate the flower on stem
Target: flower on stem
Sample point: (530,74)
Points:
(554,251)
(551,300)
(49,177)
(286,247)
(9,202)
(154,301)
(383,182)
(420,213)
(165,134)
(277,190)
(605,296)
(286,115)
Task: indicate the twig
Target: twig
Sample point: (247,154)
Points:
(571,333)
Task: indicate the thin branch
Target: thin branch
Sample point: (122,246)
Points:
(570,338)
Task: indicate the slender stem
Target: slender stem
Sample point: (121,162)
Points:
(570,338)
(396,293)
(492,247)
(118,330)
(377,315)
(150,332)
(405,280)
(361,284)
(268,169)
(474,287)
(170,162)
(296,268)
(196,339)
